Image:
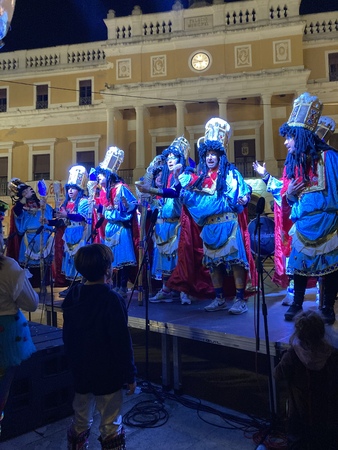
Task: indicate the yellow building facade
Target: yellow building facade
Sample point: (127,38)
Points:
(163,75)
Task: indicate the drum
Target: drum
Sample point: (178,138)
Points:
(267,236)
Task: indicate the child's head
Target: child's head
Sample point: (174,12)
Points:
(309,328)
(93,261)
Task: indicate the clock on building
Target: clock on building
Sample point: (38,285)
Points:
(200,61)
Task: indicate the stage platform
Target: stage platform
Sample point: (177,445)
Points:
(173,321)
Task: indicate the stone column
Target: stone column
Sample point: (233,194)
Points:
(180,111)
(270,160)
(222,108)
(140,157)
(110,127)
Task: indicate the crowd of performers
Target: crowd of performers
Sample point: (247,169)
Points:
(200,245)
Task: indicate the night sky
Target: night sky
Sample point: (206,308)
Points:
(48,23)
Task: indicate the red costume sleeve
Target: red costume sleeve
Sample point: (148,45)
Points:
(190,276)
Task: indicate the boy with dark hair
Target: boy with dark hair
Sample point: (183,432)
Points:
(99,350)
(310,367)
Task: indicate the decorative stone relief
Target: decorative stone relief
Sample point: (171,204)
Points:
(158,66)
(281,51)
(123,69)
(197,23)
(243,56)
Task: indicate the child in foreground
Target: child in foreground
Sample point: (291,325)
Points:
(310,367)
(99,349)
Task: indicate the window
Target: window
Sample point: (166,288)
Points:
(333,66)
(86,159)
(85,92)
(333,140)
(160,149)
(3,175)
(42,96)
(3,100)
(41,167)
(244,156)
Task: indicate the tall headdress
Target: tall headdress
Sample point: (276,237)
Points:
(78,177)
(179,147)
(325,128)
(216,129)
(306,112)
(147,179)
(113,159)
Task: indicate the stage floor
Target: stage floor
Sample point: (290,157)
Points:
(174,322)
(219,327)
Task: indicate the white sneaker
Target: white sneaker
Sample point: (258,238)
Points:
(288,299)
(217,305)
(162,296)
(185,300)
(239,307)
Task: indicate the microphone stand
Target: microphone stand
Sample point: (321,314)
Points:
(260,290)
(91,237)
(49,260)
(145,267)
(30,246)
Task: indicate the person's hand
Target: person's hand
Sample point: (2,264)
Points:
(28,192)
(177,171)
(243,200)
(295,188)
(61,214)
(142,187)
(131,388)
(260,169)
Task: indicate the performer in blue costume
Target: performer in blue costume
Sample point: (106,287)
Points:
(74,211)
(168,225)
(214,199)
(311,182)
(120,213)
(27,212)
(325,129)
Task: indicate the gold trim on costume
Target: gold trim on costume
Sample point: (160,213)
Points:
(221,218)
(318,242)
(320,185)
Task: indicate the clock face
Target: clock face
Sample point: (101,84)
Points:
(200,61)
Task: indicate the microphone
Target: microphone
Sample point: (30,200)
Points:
(259,210)
(153,219)
(260,205)
(99,223)
(39,230)
(59,223)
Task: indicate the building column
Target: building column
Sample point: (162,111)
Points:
(270,160)
(140,157)
(110,127)
(180,111)
(222,108)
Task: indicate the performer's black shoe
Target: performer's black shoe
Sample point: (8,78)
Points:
(292,312)
(328,315)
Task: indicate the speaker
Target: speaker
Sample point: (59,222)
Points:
(42,390)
